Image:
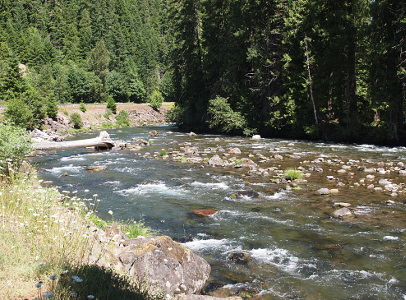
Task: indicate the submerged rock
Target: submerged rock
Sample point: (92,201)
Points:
(342,212)
(239,257)
(248,194)
(342,204)
(204,212)
(96,168)
(246,163)
(323,191)
(234,151)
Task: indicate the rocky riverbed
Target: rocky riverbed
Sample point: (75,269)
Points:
(332,182)
(339,229)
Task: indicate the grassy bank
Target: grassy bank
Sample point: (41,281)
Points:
(46,239)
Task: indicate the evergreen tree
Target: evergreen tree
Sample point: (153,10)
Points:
(387,73)
(99,60)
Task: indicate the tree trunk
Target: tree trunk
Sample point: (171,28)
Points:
(103,141)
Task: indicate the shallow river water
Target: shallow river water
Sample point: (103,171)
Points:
(296,249)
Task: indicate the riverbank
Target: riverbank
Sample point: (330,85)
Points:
(96,115)
(48,239)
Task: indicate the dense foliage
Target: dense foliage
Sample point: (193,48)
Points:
(317,69)
(15,145)
(82,51)
(307,68)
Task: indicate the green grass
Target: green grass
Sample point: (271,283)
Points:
(45,245)
(293,174)
(134,229)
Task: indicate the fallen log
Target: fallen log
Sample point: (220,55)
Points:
(103,141)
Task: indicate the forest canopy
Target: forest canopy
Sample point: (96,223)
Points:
(331,70)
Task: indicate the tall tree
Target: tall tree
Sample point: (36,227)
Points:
(188,61)
(387,72)
(99,60)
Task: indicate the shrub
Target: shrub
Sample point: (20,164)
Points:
(19,113)
(137,91)
(222,117)
(123,120)
(82,107)
(292,174)
(76,120)
(156,99)
(111,105)
(51,108)
(15,145)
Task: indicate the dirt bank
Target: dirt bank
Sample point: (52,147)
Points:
(97,115)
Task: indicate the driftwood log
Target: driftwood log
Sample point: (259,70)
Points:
(103,141)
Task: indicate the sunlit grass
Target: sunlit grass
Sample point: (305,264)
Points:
(293,174)
(45,241)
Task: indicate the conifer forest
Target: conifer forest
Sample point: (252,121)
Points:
(304,69)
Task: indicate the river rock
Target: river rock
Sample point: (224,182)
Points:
(96,168)
(342,212)
(204,297)
(239,257)
(204,212)
(402,172)
(248,194)
(342,204)
(256,137)
(246,163)
(234,151)
(165,263)
(277,157)
(216,161)
(323,191)
(153,133)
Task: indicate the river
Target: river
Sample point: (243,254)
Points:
(296,250)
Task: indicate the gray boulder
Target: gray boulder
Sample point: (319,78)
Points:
(164,263)
(216,161)
(342,212)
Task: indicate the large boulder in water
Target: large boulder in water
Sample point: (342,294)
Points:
(165,263)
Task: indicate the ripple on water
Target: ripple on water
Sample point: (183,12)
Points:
(211,185)
(70,168)
(278,257)
(209,245)
(78,157)
(154,188)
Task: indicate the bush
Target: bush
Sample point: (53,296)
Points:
(137,92)
(52,108)
(156,99)
(76,120)
(123,120)
(15,145)
(222,117)
(292,174)
(27,110)
(82,107)
(111,105)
